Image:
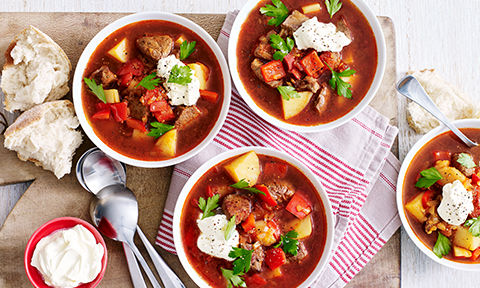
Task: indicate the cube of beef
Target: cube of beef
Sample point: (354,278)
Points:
(280,191)
(301,253)
(342,26)
(137,109)
(323,98)
(185,115)
(467,171)
(155,47)
(264,50)
(104,76)
(293,22)
(237,205)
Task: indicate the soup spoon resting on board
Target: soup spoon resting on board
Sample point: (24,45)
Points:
(411,88)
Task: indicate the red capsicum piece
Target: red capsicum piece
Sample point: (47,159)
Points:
(102,115)
(273,70)
(275,258)
(162,111)
(426,197)
(210,96)
(475,254)
(119,111)
(100,106)
(267,198)
(299,206)
(134,66)
(312,65)
(135,124)
(249,223)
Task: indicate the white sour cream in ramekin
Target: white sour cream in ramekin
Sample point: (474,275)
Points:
(67,258)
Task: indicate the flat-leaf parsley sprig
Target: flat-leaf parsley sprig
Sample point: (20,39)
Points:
(96,89)
(279,12)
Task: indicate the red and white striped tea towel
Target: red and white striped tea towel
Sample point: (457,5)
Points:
(353,162)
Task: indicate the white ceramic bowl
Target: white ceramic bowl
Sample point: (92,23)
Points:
(469,123)
(84,58)
(382,56)
(179,247)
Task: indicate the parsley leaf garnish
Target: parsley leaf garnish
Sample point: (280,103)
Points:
(148,82)
(290,244)
(442,246)
(343,88)
(278,43)
(242,184)
(233,280)
(466,160)
(96,89)
(158,129)
(279,12)
(474,224)
(429,177)
(208,206)
(288,92)
(180,75)
(186,49)
(230,227)
(242,261)
(333,6)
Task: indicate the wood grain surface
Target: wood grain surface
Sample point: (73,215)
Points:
(48,198)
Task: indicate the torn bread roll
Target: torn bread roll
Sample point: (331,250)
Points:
(451,101)
(36,70)
(46,135)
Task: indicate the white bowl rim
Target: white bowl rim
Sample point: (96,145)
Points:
(132,18)
(381,63)
(262,151)
(466,123)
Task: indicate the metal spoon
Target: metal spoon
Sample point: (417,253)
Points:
(411,88)
(115,213)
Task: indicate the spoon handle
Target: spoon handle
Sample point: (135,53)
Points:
(135,273)
(169,278)
(144,264)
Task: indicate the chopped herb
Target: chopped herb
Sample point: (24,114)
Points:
(230,228)
(158,129)
(233,280)
(148,82)
(278,43)
(333,6)
(290,244)
(279,12)
(288,92)
(186,49)
(208,206)
(474,224)
(442,246)
(429,177)
(180,75)
(343,88)
(242,260)
(242,184)
(96,89)
(466,160)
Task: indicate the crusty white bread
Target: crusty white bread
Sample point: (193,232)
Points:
(36,70)
(450,100)
(46,135)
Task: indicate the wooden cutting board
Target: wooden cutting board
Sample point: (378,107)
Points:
(48,198)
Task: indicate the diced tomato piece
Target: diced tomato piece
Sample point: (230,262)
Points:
(100,106)
(102,115)
(136,124)
(134,66)
(289,60)
(475,179)
(119,111)
(256,279)
(296,73)
(312,64)
(210,191)
(441,155)
(162,111)
(299,206)
(426,197)
(210,96)
(249,223)
(275,258)
(273,70)
(277,169)
(267,198)
(125,80)
(159,106)
(475,254)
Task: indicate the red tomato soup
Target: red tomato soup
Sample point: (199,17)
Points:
(141,121)
(264,223)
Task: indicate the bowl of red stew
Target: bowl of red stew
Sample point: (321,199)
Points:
(306,66)
(253,217)
(438,196)
(151,89)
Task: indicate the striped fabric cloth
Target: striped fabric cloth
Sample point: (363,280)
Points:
(353,162)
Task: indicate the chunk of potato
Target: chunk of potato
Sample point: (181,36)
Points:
(112,96)
(302,226)
(119,52)
(179,41)
(265,234)
(465,239)
(311,8)
(460,252)
(140,135)
(450,174)
(295,105)
(246,167)
(415,207)
(201,72)
(167,144)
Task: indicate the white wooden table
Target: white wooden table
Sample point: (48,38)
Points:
(430,34)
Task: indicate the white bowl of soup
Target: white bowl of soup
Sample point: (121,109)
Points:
(286,78)
(286,232)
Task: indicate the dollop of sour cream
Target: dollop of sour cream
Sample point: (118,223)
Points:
(178,94)
(212,237)
(320,36)
(67,258)
(456,203)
